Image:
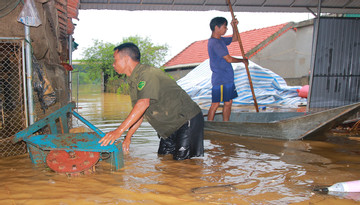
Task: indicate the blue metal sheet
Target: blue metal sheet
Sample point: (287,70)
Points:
(72,141)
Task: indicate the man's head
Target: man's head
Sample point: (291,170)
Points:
(217,21)
(126,57)
(129,49)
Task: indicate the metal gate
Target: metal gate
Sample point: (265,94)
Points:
(12,104)
(336,72)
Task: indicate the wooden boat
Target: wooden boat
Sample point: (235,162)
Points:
(282,125)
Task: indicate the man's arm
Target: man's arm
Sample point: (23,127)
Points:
(231,59)
(134,117)
(234,24)
(129,134)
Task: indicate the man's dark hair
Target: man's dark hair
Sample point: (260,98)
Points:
(217,21)
(130,49)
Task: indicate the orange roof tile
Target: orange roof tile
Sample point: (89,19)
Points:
(73,8)
(197,51)
(67,10)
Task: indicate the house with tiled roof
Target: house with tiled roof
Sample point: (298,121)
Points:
(285,49)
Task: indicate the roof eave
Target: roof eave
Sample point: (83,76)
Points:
(182,66)
(201,6)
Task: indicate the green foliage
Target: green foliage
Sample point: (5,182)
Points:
(79,73)
(123,89)
(117,85)
(151,54)
(99,58)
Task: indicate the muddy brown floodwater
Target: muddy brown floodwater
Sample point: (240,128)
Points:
(235,170)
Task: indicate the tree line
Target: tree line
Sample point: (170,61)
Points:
(97,61)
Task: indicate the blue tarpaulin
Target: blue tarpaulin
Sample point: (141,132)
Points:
(270,88)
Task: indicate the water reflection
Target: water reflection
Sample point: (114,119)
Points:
(234,170)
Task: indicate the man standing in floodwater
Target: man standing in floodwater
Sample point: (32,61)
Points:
(177,119)
(222,79)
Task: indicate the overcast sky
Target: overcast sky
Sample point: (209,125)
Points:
(177,29)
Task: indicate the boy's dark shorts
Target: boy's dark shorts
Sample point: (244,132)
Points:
(223,93)
(187,141)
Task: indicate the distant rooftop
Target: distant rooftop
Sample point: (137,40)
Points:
(253,41)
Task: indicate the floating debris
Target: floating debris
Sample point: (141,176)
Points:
(225,187)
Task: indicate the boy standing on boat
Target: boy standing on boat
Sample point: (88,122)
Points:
(222,79)
(177,119)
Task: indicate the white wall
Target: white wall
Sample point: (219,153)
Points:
(304,37)
(288,55)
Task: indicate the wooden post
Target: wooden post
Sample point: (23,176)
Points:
(236,31)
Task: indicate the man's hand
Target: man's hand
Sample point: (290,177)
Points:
(133,120)
(234,22)
(246,62)
(126,145)
(110,138)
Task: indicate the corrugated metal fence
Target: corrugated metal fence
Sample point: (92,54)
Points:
(336,73)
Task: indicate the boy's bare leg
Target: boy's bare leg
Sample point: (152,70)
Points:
(212,110)
(227,110)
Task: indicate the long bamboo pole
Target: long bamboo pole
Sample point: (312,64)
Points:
(236,31)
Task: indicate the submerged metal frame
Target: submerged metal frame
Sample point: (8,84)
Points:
(39,145)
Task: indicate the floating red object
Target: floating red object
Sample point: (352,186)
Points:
(304,91)
(71,162)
